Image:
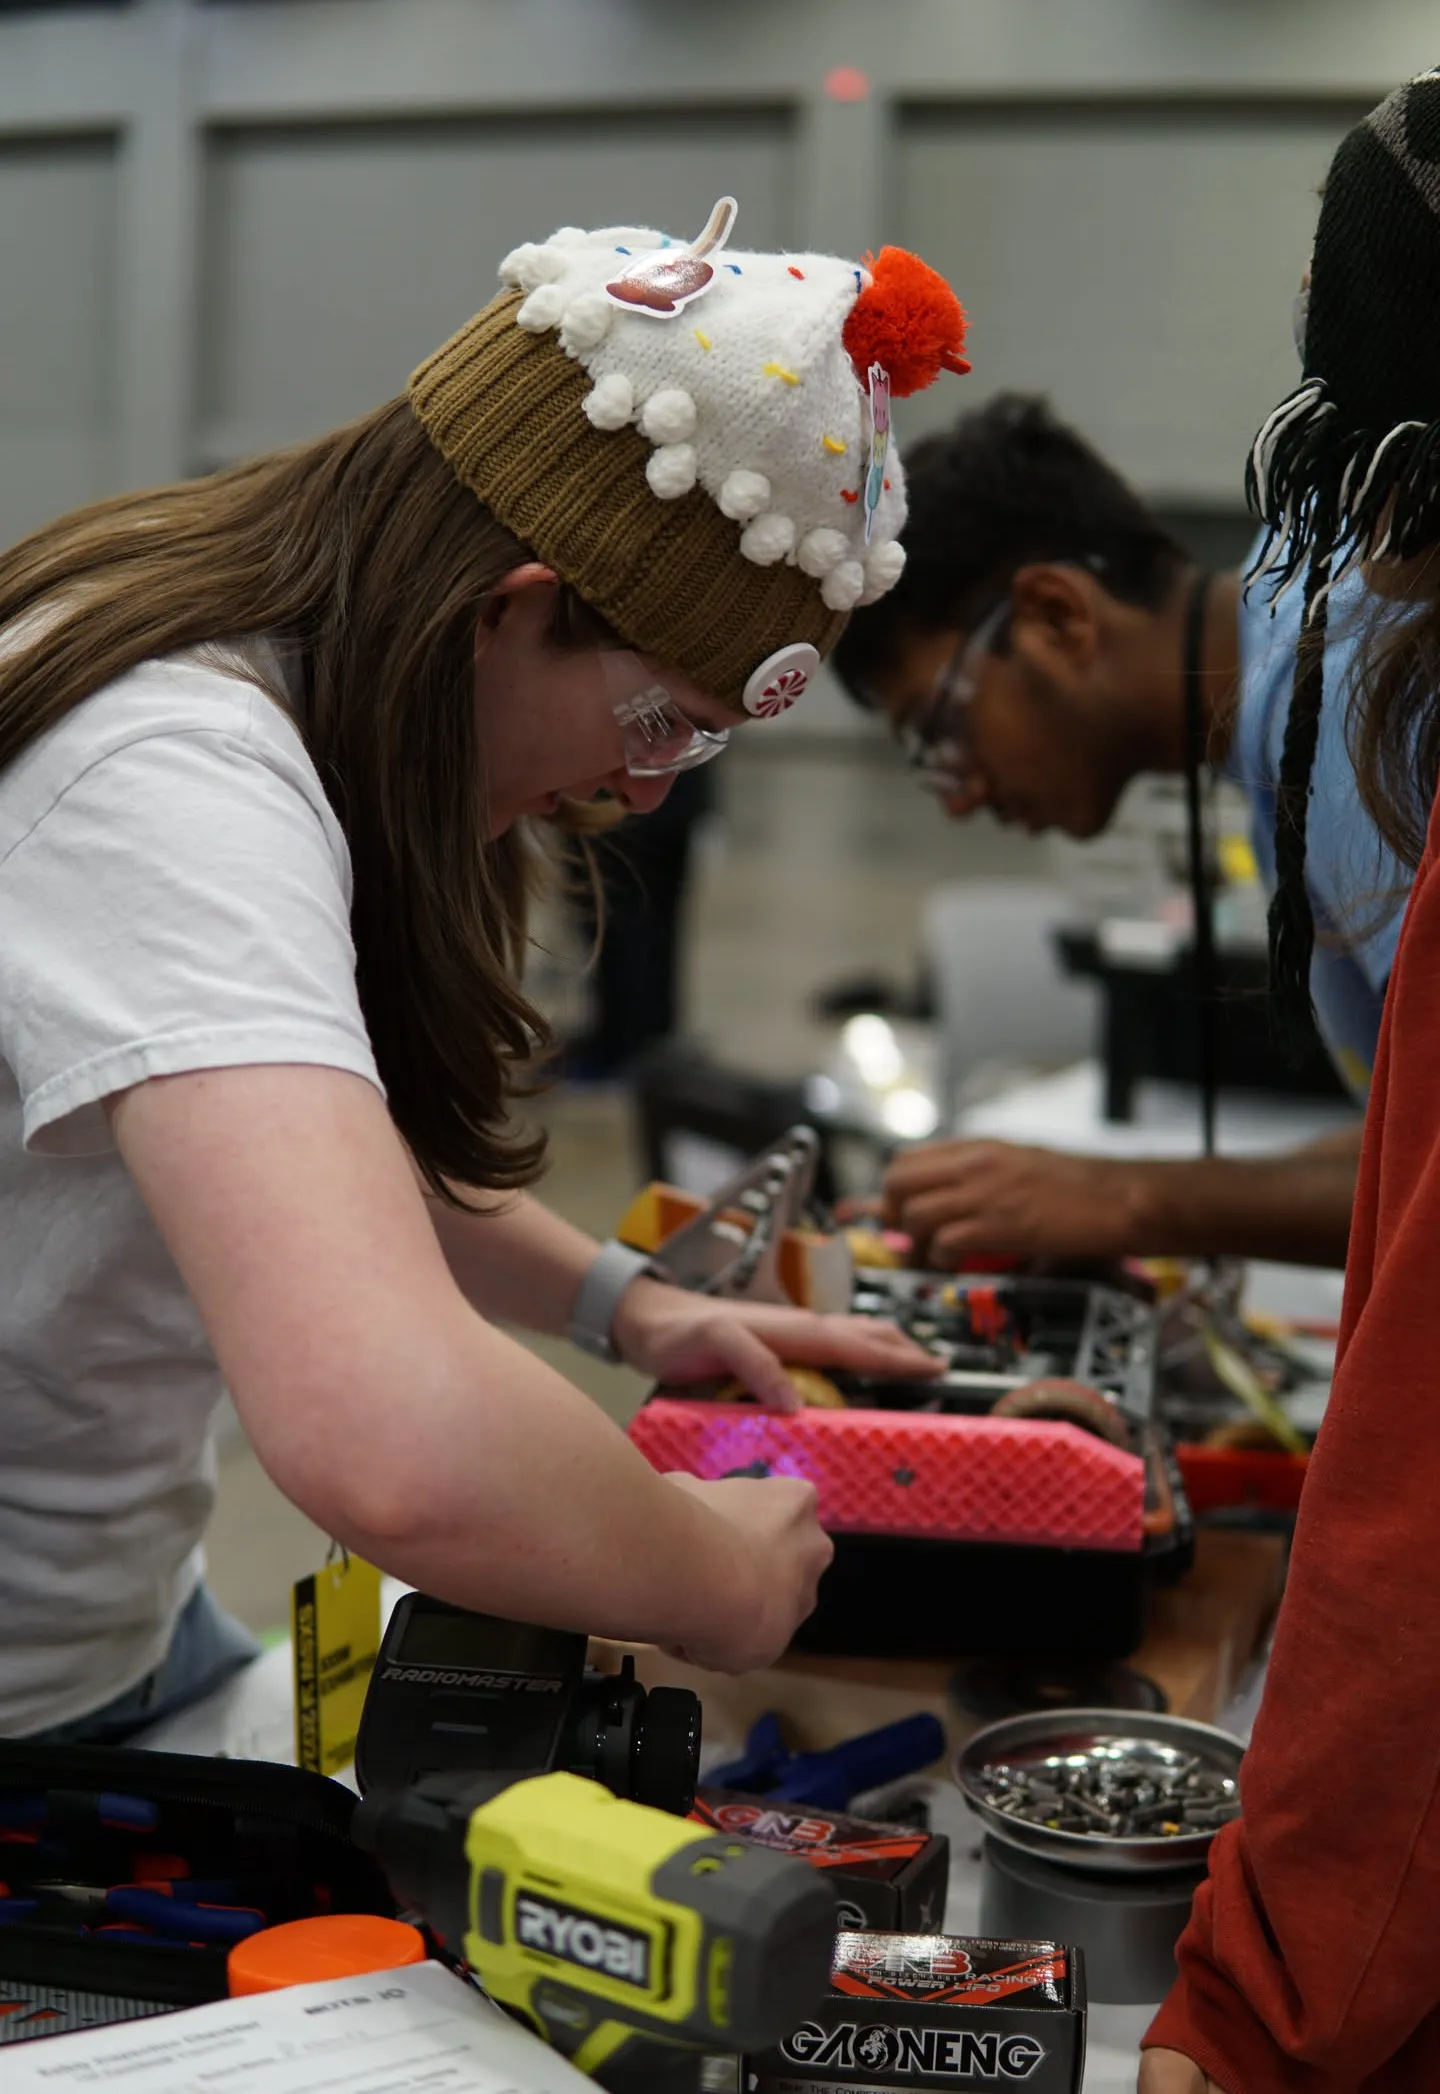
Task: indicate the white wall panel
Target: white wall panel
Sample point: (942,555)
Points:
(1137,263)
(57,333)
(335,258)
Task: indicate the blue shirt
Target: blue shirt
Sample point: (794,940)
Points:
(1358,890)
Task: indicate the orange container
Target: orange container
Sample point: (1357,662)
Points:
(335,1945)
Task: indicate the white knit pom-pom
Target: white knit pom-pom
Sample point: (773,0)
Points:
(820,550)
(743,495)
(671,471)
(610,404)
(568,236)
(530,266)
(542,310)
(884,565)
(586,323)
(521,268)
(843,586)
(668,417)
(770,538)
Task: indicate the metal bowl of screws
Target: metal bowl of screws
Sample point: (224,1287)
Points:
(1113,1790)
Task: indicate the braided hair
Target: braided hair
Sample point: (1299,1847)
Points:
(1347,467)
(1291,925)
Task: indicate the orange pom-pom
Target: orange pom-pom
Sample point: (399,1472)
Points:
(907,319)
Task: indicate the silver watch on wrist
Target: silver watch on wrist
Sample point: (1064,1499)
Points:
(613,1268)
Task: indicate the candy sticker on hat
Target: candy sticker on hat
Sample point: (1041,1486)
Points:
(661,283)
(782,678)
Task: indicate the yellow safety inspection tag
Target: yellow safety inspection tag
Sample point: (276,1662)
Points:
(335,1628)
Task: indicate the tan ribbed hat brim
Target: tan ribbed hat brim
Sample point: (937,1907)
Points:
(505,409)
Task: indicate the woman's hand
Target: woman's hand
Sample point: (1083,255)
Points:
(781,1552)
(1167,2072)
(674,1336)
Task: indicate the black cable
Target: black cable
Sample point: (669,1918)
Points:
(1200,897)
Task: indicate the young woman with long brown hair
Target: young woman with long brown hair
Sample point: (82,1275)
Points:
(270,748)
(1309,1963)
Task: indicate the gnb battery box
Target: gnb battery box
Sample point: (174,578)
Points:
(907,2011)
(889,1877)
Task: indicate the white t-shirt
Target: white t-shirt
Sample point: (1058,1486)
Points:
(174,894)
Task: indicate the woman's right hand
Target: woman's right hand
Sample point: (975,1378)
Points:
(780,1552)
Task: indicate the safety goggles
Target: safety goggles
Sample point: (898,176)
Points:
(936,741)
(657,735)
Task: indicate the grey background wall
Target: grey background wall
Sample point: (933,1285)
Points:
(225,224)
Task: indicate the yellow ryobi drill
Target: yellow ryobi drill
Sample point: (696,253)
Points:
(634,1942)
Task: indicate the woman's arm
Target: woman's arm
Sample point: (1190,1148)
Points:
(519,1262)
(514,1259)
(410,1429)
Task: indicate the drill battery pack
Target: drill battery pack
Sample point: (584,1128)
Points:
(889,1877)
(909,2011)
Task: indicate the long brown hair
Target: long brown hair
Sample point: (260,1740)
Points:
(365,552)
(1394,722)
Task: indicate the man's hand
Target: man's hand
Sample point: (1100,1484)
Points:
(1166,2072)
(958,1197)
(677,1337)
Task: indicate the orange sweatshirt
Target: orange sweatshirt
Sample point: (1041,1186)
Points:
(1311,1964)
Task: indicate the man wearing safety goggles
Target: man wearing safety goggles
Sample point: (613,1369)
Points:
(1033,660)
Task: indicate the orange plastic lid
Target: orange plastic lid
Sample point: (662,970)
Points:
(337,1945)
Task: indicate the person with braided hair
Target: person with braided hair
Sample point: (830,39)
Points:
(1309,1966)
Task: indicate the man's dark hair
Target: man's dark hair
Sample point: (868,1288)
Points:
(1008,485)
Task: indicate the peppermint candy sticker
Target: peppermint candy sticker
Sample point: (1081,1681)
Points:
(780,679)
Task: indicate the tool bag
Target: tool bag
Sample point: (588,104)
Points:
(253,1836)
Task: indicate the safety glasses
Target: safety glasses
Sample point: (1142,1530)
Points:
(936,741)
(658,736)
